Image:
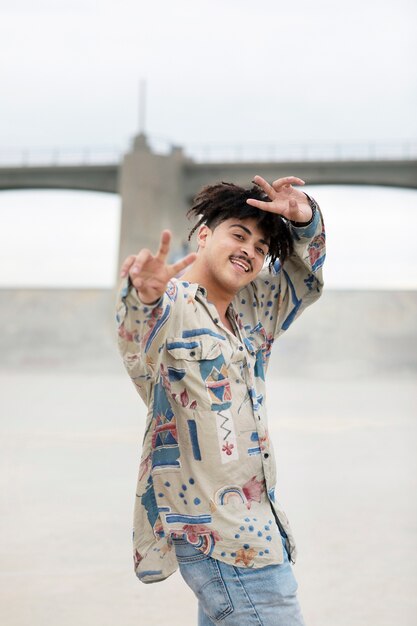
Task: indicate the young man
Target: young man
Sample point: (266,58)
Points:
(197,350)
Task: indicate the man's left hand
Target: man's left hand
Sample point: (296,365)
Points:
(285,200)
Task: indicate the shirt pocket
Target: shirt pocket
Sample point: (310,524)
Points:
(197,373)
(197,349)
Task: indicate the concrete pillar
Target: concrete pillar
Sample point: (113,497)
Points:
(151,189)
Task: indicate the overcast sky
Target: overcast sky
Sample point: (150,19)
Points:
(228,72)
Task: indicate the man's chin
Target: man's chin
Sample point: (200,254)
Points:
(240,280)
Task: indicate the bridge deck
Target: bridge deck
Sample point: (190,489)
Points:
(394,173)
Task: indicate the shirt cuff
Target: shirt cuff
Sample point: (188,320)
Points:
(307,229)
(129,301)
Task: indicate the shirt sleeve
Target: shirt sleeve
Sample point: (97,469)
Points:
(142,331)
(283,293)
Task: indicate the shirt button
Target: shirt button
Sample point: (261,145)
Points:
(216,320)
(266,455)
(241,348)
(259,417)
(192,353)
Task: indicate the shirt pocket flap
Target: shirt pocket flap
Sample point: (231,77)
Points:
(196,349)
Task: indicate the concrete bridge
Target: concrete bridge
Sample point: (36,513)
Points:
(156,189)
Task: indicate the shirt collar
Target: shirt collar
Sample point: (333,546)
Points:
(193,288)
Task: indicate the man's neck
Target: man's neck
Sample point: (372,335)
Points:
(215,293)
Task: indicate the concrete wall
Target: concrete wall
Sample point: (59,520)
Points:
(347,333)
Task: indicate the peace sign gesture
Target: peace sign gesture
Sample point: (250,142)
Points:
(150,273)
(286,201)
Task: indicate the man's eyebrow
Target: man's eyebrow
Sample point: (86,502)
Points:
(249,232)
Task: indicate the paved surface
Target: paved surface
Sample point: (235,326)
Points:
(342,407)
(69,455)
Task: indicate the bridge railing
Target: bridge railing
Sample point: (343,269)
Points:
(211,153)
(21,157)
(303,152)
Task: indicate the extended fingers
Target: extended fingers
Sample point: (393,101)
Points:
(164,245)
(277,186)
(260,204)
(143,256)
(182,263)
(267,188)
(133,264)
(126,265)
(286,182)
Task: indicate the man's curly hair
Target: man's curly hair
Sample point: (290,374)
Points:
(216,203)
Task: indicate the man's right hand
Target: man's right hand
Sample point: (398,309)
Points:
(150,273)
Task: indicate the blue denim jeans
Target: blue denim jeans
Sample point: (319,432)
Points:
(237,596)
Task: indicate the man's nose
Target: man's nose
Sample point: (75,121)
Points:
(248,250)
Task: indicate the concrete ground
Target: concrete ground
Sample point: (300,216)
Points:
(69,451)
(342,409)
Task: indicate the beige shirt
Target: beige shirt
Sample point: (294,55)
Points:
(207,471)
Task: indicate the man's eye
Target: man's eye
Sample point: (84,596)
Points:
(238,236)
(261,251)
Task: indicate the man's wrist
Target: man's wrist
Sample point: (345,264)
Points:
(141,298)
(314,206)
(130,288)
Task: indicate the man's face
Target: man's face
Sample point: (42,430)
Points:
(234,252)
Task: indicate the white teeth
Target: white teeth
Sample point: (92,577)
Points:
(244,267)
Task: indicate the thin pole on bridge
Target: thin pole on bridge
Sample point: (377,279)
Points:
(142,105)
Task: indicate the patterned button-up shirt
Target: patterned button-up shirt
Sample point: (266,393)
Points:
(207,471)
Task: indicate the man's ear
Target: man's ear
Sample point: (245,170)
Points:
(204,233)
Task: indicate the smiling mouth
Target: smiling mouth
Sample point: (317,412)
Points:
(241,264)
